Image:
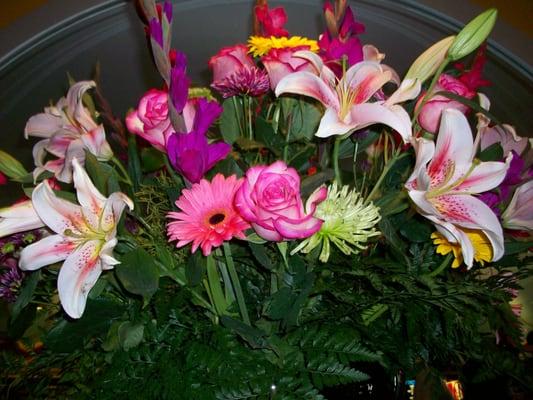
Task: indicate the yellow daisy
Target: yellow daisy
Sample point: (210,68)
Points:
(259,45)
(480,242)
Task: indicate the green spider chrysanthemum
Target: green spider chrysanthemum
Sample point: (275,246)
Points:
(348,223)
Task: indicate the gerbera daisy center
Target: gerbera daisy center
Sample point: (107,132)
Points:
(216,218)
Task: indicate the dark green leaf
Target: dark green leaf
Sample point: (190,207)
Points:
(130,335)
(258,250)
(265,134)
(416,231)
(68,336)
(134,163)
(492,153)
(26,293)
(138,273)
(151,159)
(230,120)
(102,175)
(195,269)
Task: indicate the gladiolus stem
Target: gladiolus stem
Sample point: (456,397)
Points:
(236,284)
(125,176)
(429,93)
(396,156)
(335,161)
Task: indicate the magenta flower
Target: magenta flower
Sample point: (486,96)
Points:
(342,41)
(179,82)
(190,153)
(150,120)
(270,200)
(250,81)
(271,20)
(281,62)
(430,114)
(235,73)
(207,216)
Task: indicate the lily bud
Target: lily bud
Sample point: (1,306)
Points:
(11,167)
(429,61)
(473,34)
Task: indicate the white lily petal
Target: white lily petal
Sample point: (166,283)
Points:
(88,195)
(76,150)
(408,90)
(331,125)
(42,125)
(485,176)
(58,214)
(454,235)
(112,211)
(77,276)
(519,212)
(20,217)
(469,212)
(363,115)
(75,104)
(453,150)
(307,84)
(424,149)
(97,144)
(46,251)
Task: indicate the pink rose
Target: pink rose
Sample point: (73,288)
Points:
(230,60)
(151,120)
(429,117)
(282,62)
(269,199)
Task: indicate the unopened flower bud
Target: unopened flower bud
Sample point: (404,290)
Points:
(11,167)
(429,61)
(472,35)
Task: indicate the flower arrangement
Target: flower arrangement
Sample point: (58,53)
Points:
(309,222)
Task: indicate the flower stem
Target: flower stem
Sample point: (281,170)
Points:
(445,263)
(396,156)
(249,121)
(125,176)
(429,93)
(214,288)
(175,177)
(236,284)
(335,160)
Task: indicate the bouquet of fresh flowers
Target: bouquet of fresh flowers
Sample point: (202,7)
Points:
(309,226)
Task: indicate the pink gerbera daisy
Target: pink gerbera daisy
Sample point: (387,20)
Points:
(207,217)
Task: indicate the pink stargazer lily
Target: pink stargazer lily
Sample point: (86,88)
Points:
(444,180)
(68,130)
(85,237)
(19,217)
(347,99)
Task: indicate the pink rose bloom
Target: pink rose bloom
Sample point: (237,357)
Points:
(151,120)
(282,62)
(429,117)
(230,60)
(269,199)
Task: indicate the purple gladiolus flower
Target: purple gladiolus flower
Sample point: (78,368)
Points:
(190,153)
(513,177)
(156,31)
(167,9)
(179,82)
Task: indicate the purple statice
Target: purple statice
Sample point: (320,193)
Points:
(492,200)
(190,153)
(513,176)
(11,278)
(250,81)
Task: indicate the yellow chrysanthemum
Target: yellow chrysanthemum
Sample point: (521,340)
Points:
(480,242)
(259,45)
